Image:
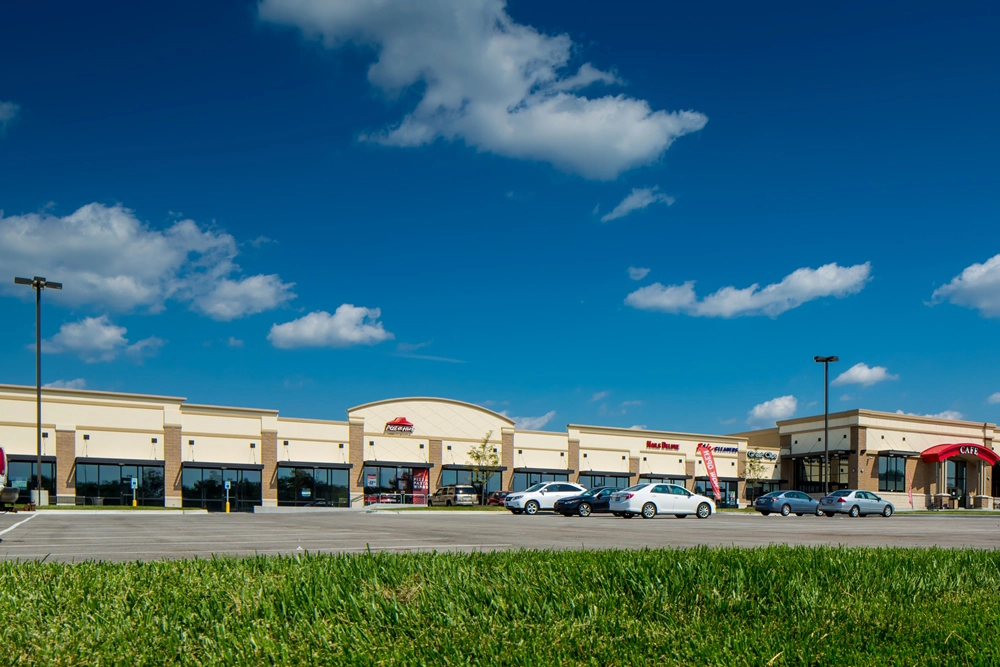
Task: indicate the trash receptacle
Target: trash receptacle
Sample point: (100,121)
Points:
(44,500)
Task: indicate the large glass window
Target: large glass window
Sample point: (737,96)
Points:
(313,487)
(21,475)
(522,480)
(205,488)
(891,473)
(759,488)
(955,477)
(465,477)
(809,474)
(103,484)
(617,481)
(727,489)
(679,481)
(390,484)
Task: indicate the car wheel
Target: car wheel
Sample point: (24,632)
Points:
(785,510)
(765,513)
(828,513)
(531,507)
(583,509)
(704,511)
(819,512)
(627,515)
(447,503)
(617,513)
(798,514)
(517,511)
(855,512)
(648,511)
(887,511)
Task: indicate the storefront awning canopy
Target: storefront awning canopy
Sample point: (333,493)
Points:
(456,466)
(545,471)
(940,453)
(314,464)
(606,473)
(399,464)
(224,466)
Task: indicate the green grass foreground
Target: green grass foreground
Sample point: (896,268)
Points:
(761,606)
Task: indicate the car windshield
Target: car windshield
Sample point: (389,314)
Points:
(841,494)
(535,487)
(465,490)
(637,487)
(592,492)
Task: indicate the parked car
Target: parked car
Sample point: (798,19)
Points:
(787,502)
(855,503)
(453,495)
(652,499)
(597,499)
(496,497)
(541,496)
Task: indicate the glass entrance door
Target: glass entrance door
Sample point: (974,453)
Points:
(956,480)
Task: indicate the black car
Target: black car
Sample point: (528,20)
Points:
(596,499)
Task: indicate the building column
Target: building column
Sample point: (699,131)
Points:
(357,460)
(172,465)
(689,470)
(741,486)
(269,475)
(573,462)
(507,458)
(786,467)
(633,470)
(65,467)
(434,457)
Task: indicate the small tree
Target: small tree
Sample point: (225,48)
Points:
(485,461)
(753,472)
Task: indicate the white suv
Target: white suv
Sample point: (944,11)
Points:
(541,496)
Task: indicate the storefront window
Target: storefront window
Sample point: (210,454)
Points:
(660,479)
(112,484)
(523,480)
(389,484)
(205,488)
(313,487)
(727,489)
(617,481)
(891,473)
(809,474)
(760,488)
(466,477)
(21,475)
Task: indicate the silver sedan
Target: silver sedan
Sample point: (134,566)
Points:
(854,503)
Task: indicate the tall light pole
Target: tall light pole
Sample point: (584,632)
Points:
(38,284)
(826,361)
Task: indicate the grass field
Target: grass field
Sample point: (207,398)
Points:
(763,606)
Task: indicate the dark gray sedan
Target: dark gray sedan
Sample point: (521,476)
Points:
(786,502)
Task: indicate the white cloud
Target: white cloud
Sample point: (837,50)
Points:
(977,286)
(994,398)
(861,374)
(78,383)
(599,396)
(794,290)
(96,339)
(349,325)
(104,255)
(774,410)
(641,427)
(638,199)
(532,423)
(494,84)
(234,342)
(637,273)
(8,114)
(944,414)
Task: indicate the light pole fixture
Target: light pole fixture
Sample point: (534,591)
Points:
(38,284)
(826,361)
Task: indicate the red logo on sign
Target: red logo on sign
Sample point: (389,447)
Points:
(705,450)
(399,425)
(661,445)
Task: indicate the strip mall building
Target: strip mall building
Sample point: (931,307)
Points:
(401,450)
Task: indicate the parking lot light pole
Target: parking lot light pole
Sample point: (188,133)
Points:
(38,284)
(826,361)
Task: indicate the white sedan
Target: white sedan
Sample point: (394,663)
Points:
(541,496)
(652,499)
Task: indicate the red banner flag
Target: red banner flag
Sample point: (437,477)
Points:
(909,487)
(705,450)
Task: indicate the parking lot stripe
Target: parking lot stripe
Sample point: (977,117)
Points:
(10,528)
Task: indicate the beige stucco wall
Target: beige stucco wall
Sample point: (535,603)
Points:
(439,419)
(119,444)
(313,440)
(604,460)
(542,449)
(220,449)
(390,448)
(23,439)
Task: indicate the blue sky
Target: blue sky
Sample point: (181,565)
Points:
(564,211)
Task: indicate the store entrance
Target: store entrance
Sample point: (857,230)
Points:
(956,480)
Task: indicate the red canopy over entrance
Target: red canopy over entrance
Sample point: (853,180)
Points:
(939,453)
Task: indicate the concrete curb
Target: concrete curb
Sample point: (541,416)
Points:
(118,512)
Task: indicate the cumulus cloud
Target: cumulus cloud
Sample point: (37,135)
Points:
(977,287)
(638,199)
(944,414)
(532,423)
(349,325)
(994,398)
(96,339)
(863,375)
(105,255)
(490,82)
(601,395)
(795,289)
(774,410)
(637,272)
(234,342)
(8,114)
(78,383)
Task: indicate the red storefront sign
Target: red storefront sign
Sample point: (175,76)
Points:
(399,425)
(661,445)
(705,450)
(3,467)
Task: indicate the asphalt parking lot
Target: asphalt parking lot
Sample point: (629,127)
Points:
(155,535)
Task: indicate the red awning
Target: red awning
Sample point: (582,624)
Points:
(399,421)
(940,453)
